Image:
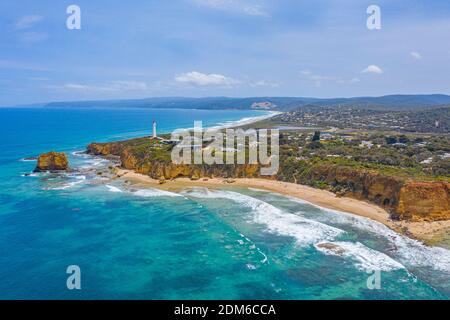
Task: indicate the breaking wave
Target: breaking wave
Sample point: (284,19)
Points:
(277,221)
(364,258)
(65,186)
(408,251)
(113,189)
(151,193)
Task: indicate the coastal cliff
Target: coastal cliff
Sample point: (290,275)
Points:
(424,201)
(162,167)
(405,199)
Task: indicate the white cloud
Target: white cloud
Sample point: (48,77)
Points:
(33,37)
(77,86)
(255,10)
(129,85)
(351,81)
(202,79)
(111,86)
(318,79)
(38,79)
(20,65)
(416,55)
(264,83)
(27,22)
(373,69)
(233,5)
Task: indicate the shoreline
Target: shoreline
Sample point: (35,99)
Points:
(233,123)
(431,233)
(245,121)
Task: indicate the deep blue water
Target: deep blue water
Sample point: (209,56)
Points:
(201,244)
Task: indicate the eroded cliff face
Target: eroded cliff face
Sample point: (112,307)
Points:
(52,161)
(405,200)
(361,184)
(424,201)
(158,169)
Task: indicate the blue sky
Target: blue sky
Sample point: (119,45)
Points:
(148,48)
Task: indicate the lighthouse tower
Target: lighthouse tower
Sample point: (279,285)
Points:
(154,130)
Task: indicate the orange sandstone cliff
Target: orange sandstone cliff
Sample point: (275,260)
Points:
(404,199)
(424,201)
(52,161)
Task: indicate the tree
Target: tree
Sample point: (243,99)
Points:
(403,139)
(391,140)
(316,136)
(315,145)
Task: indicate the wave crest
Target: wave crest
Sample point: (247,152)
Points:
(277,221)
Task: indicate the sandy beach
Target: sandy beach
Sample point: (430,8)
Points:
(429,232)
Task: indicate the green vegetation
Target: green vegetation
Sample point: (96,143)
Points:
(431,120)
(424,157)
(419,157)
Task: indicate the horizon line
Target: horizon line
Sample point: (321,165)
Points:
(223,97)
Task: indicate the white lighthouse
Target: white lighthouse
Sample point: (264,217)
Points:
(154,130)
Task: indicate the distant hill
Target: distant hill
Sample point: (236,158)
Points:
(391,102)
(394,102)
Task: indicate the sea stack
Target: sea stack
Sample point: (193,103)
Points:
(52,161)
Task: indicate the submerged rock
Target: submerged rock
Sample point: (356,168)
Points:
(332,248)
(52,161)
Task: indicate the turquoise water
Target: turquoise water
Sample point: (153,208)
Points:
(132,243)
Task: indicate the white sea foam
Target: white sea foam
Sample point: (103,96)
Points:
(305,231)
(265,259)
(81,154)
(258,190)
(34,174)
(65,186)
(151,193)
(91,162)
(406,250)
(80,179)
(235,123)
(245,121)
(95,162)
(364,258)
(113,189)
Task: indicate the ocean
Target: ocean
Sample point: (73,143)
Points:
(229,243)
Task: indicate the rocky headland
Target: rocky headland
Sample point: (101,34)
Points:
(405,199)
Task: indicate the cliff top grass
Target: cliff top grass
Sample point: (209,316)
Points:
(291,156)
(413,173)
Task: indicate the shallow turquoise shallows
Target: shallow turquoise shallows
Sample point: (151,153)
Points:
(133,243)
